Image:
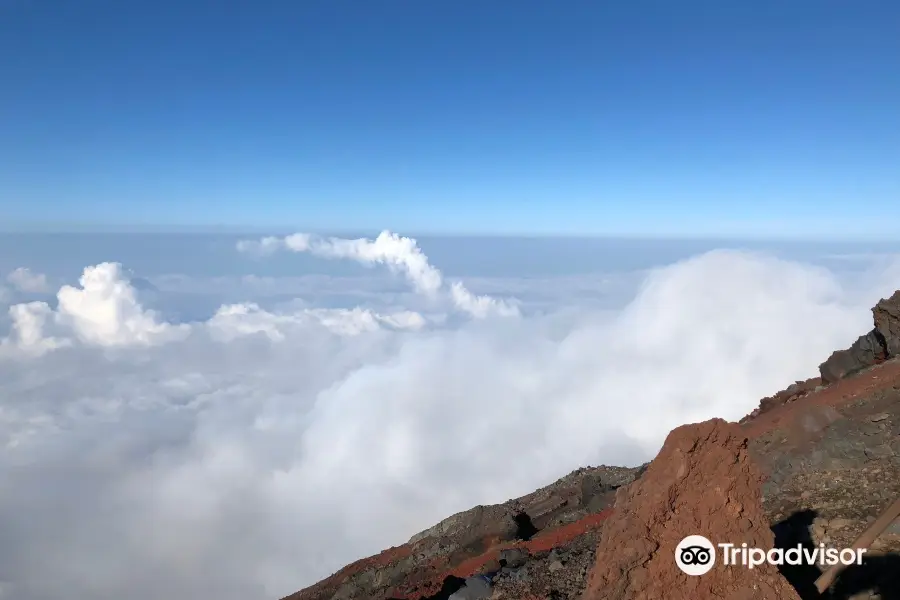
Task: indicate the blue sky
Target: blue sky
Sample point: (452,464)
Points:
(506,117)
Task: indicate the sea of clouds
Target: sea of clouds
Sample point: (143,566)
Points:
(252,452)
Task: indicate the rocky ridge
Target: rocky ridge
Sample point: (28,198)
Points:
(504,538)
(880,344)
(813,464)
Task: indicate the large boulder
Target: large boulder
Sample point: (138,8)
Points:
(880,344)
(702,482)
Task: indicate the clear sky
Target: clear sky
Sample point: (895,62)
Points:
(654,118)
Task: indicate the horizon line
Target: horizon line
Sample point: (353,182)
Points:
(192,229)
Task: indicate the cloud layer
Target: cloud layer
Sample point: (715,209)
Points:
(251,454)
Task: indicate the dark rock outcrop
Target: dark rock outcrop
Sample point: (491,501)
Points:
(868,350)
(880,344)
(887,323)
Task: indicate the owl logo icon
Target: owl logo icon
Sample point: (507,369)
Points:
(695,555)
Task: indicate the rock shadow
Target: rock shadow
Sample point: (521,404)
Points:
(793,531)
(878,574)
(525,529)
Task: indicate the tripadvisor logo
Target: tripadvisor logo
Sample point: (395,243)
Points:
(695,555)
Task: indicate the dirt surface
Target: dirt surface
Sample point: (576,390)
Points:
(833,464)
(815,463)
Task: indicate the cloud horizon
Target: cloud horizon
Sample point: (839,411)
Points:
(254,452)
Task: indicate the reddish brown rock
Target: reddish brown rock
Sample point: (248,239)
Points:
(702,482)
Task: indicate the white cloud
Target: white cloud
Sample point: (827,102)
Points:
(399,254)
(235,320)
(265,246)
(479,306)
(28,323)
(266,449)
(104,311)
(24,280)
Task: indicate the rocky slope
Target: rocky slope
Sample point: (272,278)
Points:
(880,344)
(813,464)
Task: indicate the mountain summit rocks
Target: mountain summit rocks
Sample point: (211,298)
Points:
(880,344)
(887,323)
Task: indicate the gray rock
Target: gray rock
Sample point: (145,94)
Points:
(881,451)
(880,344)
(894,528)
(475,588)
(865,352)
(513,557)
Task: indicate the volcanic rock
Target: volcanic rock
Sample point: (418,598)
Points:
(866,351)
(887,323)
(702,482)
(508,541)
(880,344)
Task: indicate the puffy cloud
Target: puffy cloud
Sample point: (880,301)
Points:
(104,311)
(24,280)
(269,448)
(399,254)
(28,323)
